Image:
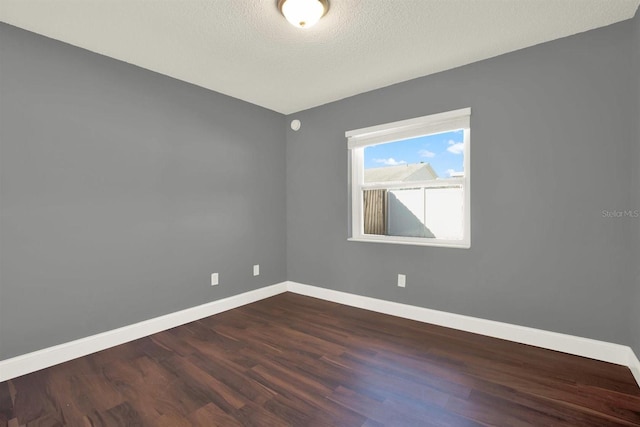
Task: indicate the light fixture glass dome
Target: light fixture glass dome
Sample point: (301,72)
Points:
(303,13)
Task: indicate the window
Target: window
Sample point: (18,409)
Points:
(410,181)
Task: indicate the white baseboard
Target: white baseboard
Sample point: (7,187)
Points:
(634,365)
(31,362)
(599,350)
(586,347)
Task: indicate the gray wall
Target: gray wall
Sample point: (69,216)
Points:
(635,312)
(552,129)
(122,190)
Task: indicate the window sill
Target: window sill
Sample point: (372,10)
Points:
(413,241)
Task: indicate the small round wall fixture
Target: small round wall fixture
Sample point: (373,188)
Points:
(303,13)
(295,124)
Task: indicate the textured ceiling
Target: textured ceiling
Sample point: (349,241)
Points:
(246,49)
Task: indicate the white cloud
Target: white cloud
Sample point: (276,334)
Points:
(426,153)
(452,172)
(455,147)
(390,161)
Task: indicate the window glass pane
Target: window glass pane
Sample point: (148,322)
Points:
(438,156)
(407,213)
(425,212)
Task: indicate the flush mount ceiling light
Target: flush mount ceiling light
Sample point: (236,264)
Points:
(303,13)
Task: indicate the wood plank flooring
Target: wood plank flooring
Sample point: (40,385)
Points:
(299,361)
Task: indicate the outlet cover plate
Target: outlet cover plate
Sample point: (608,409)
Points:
(402,280)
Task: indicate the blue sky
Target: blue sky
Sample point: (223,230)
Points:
(444,151)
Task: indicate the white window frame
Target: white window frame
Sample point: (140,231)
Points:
(359,139)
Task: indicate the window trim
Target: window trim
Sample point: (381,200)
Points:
(358,139)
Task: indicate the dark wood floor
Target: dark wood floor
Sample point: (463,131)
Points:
(294,360)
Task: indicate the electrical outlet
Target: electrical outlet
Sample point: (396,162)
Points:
(256,270)
(402,280)
(214,279)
